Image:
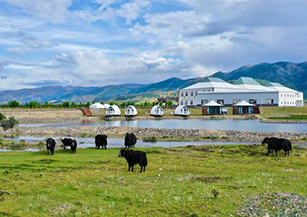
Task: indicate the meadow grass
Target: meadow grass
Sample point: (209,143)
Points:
(177,181)
(282,111)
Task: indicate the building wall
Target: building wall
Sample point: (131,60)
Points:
(291,99)
(198,96)
(261,98)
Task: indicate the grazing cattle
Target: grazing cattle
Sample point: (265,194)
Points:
(70,142)
(50,145)
(278,144)
(130,140)
(133,158)
(101,140)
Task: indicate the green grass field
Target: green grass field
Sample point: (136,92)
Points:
(177,182)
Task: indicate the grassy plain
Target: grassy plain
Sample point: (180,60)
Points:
(177,182)
(294,113)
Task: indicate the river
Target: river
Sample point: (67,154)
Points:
(217,124)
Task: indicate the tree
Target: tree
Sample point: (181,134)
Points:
(13,104)
(65,104)
(124,105)
(74,105)
(34,104)
(169,104)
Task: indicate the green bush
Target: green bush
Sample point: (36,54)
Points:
(17,146)
(150,139)
(10,123)
(2,117)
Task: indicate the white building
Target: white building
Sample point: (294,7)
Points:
(273,94)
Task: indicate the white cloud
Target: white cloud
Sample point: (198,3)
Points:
(129,11)
(51,10)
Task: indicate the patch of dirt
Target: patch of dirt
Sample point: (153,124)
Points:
(274,205)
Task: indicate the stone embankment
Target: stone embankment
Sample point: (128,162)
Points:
(119,132)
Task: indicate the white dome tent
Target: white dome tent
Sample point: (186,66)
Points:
(113,110)
(156,111)
(182,110)
(131,111)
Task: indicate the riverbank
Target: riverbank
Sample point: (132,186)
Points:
(160,134)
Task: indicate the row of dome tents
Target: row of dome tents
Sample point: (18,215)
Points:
(131,111)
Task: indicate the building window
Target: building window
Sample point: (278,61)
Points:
(252,101)
(181,103)
(220,101)
(281,102)
(186,93)
(235,101)
(195,93)
(192,93)
(191,103)
(182,93)
(186,102)
(204,101)
(269,101)
(280,95)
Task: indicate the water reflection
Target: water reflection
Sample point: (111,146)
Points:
(223,124)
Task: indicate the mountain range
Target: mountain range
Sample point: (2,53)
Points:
(292,75)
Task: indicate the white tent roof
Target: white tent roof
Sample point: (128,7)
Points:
(113,110)
(99,105)
(212,103)
(244,103)
(154,110)
(180,110)
(96,105)
(131,108)
(106,106)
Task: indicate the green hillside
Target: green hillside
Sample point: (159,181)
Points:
(292,75)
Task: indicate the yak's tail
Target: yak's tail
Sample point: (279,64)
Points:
(290,146)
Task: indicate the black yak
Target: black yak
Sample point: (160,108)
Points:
(133,158)
(50,145)
(70,142)
(278,144)
(130,140)
(101,140)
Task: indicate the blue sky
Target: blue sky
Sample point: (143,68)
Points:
(105,42)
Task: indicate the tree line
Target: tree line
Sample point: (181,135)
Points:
(66,104)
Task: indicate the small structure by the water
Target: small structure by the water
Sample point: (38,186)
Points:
(96,105)
(212,108)
(98,108)
(131,111)
(244,107)
(113,110)
(156,111)
(182,110)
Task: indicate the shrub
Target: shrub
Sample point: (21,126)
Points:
(10,123)
(150,139)
(17,146)
(2,117)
